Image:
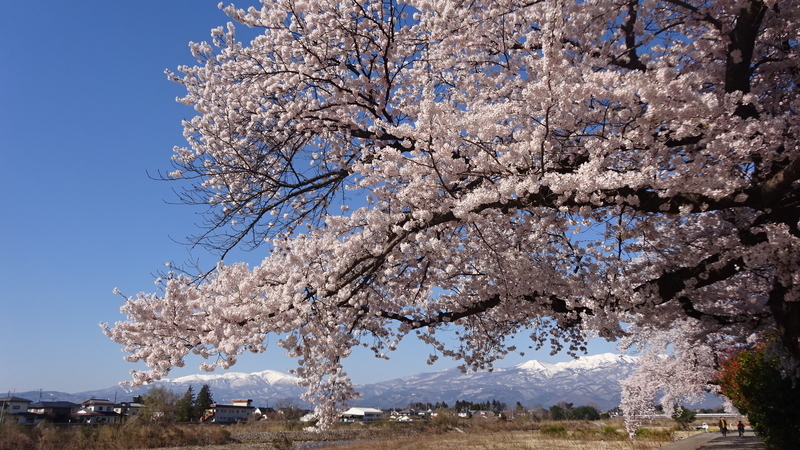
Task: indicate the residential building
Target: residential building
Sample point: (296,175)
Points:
(357,414)
(54,412)
(128,409)
(239,411)
(97,410)
(13,409)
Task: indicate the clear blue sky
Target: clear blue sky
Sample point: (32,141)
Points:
(86,113)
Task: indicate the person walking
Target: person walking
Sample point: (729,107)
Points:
(723,427)
(740,427)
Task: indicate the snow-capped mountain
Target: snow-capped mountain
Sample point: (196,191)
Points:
(589,379)
(263,387)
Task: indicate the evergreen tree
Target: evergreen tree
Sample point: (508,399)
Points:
(203,401)
(585,413)
(185,406)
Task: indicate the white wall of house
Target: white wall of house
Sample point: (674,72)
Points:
(230,413)
(362,414)
(13,405)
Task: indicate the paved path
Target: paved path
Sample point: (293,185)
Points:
(715,441)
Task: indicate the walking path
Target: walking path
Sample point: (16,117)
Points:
(715,441)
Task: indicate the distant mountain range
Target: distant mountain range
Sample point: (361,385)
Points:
(589,379)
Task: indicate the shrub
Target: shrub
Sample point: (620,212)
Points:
(554,430)
(752,380)
(649,433)
(13,437)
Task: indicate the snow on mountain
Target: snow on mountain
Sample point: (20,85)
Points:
(583,363)
(588,379)
(269,377)
(264,388)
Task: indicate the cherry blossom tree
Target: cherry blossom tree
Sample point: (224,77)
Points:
(575,169)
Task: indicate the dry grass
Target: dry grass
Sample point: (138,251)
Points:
(475,434)
(447,432)
(521,440)
(132,435)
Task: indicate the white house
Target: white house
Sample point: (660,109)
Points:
(129,408)
(98,410)
(357,414)
(13,405)
(238,412)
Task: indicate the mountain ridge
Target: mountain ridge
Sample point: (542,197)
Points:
(588,379)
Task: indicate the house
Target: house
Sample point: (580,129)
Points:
(53,412)
(357,414)
(239,411)
(402,415)
(263,412)
(14,409)
(97,410)
(127,409)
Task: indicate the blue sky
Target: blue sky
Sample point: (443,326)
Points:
(86,113)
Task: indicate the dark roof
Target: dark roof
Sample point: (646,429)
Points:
(96,413)
(14,399)
(53,405)
(97,401)
(231,406)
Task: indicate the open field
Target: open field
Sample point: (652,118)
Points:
(438,434)
(508,440)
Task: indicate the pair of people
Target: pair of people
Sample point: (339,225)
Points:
(723,427)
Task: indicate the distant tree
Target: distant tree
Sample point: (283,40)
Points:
(585,413)
(203,401)
(420,406)
(497,406)
(539,413)
(185,407)
(561,411)
(288,409)
(683,416)
(557,413)
(138,399)
(161,405)
(752,380)
(716,410)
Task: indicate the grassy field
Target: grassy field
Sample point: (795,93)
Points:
(477,434)
(443,433)
(500,440)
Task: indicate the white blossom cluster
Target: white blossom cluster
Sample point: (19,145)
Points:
(572,168)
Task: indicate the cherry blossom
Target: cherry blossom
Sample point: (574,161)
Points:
(625,170)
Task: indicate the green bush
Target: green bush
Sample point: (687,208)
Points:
(554,430)
(753,381)
(649,433)
(609,431)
